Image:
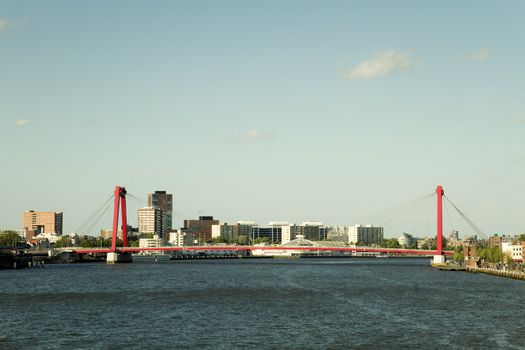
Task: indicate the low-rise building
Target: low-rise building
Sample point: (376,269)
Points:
(277,232)
(426,243)
(154,242)
(50,237)
(453,239)
(201,229)
(406,240)
(470,255)
(177,238)
(515,251)
(494,241)
(108,234)
(231,233)
(337,233)
(310,230)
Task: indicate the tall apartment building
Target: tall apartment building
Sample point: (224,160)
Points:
(164,202)
(200,229)
(36,222)
(367,234)
(150,220)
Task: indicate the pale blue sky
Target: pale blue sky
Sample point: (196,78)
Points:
(270,110)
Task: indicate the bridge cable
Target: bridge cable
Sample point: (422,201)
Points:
(92,216)
(466,218)
(449,217)
(429,220)
(136,199)
(418,214)
(425,214)
(400,213)
(393,211)
(402,218)
(106,211)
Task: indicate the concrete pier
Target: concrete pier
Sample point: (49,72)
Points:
(438,260)
(118,258)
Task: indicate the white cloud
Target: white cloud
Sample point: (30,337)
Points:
(518,119)
(381,64)
(479,56)
(22,122)
(5,24)
(254,135)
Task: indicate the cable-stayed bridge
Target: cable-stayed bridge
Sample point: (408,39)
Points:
(122,253)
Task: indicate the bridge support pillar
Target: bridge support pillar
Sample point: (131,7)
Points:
(118,258)
(438,260)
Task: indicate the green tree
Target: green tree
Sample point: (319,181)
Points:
(261,240)
(64,241)
(242,240)
(390,243)
(85,243)
(104,243)
(458,254)
(218,240)
(9,238)
(491,254)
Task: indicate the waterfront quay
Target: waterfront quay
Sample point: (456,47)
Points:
(14,258)
(519,275)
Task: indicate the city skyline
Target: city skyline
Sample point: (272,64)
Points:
(263,111)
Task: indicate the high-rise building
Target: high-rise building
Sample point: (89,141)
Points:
(367,234)
(38,222)
(150,220)
(163,201)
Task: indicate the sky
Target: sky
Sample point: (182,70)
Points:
(263,110)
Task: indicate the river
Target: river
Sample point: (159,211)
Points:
(259,303)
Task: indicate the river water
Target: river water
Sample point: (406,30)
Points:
(259,303)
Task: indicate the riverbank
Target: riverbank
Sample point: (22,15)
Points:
(495,272)
(15,261)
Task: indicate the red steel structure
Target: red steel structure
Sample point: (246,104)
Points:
(439,241)
(120,205)
(120,202)
(239,248)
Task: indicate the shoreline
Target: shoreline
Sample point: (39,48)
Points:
(500,273)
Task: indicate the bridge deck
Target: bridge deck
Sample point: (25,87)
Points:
(265,248)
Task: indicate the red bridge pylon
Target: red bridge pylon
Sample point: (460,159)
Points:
(120,202)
